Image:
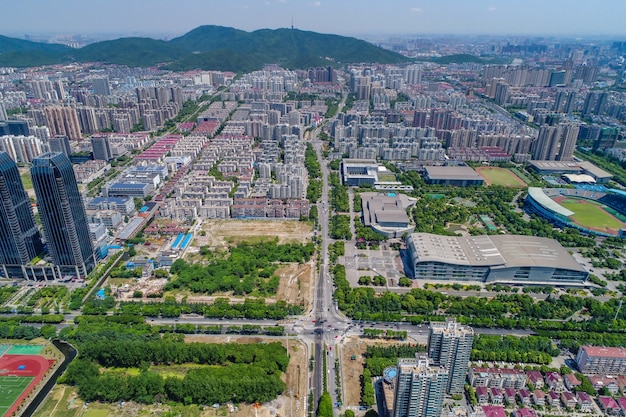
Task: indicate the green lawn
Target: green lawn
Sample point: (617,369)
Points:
(500,176)
(11,388)
(590,214)
(97,413)
(27,180)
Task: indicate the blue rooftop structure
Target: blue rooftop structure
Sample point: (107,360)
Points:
(177,240)
(186,241)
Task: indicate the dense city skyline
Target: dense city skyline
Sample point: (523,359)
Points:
(165,18)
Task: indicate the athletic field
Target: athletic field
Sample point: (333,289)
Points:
(500,176)
(590,214)
(19,374)
(11,388)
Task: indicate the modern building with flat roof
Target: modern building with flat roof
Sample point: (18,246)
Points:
(357,172)
(601,360)
(386,213)
(497,258)
(571,167)
(460,176)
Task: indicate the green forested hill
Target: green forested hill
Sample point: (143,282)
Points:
(207,47)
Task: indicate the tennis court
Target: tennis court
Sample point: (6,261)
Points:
(25,350)
(11,388)
(4,348)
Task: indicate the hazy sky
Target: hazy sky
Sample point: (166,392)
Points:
(345,17)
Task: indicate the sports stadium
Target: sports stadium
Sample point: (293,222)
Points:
(593,210)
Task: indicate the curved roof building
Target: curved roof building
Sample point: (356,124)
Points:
(496,258)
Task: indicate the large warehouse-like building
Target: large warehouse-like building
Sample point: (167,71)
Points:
(458,176)
(497,258)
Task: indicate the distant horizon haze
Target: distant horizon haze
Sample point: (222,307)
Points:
(360,18)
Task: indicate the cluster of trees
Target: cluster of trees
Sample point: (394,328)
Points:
(12,330)
(336,250)
(368,397)
(44,318)
(48,294)
(367,234)
(206,385)
(251,308)
(132,352)
(339,227)
(123,272)
(311,163)
(377,358)
(530,349)
(325,406)
(339,197)
(6,293)
(333,107)
(384,334)
(377,280)
(222,372)
(256,329)
(314,190)
(248,268)
(602,257)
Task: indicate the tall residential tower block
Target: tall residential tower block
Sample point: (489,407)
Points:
(450,346)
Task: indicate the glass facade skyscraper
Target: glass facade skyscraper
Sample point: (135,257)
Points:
(62,214)
(20,241)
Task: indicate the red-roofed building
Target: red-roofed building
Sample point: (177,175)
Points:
(524,412)
(539,397)
(554,381)
(608,382)
(601,360)
(493,411)
(496,396)
(568,399)
(609,406)
(509,395)
(553,399)
(524,396)
(585,402)
(482,395)
(622,403)
(535,378)
(571,381)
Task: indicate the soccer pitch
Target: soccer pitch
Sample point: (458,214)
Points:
(500,176)
(11,387)
(590,214)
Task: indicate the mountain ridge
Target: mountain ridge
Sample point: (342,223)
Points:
(207,47)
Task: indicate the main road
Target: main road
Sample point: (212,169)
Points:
(328,320)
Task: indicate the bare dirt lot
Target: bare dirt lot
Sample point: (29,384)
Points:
(224,233)
(295,378)
(353,369)
(296,284)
